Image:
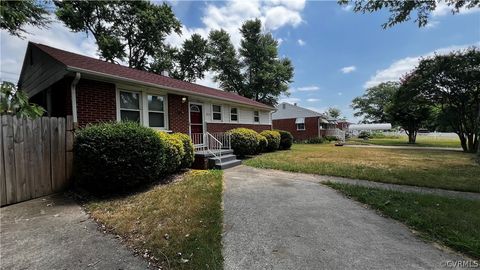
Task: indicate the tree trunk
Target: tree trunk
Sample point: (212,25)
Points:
(463,142)
(412,137)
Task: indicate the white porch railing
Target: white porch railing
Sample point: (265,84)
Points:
(212,143)
(340,134)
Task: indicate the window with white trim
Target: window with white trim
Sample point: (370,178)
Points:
(234,114)
(256,116)
(300,123)
(156,111)
(217,112)
(130,109)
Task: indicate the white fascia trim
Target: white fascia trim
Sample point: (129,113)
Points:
(86,71)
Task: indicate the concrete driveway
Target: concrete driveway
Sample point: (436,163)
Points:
(55,233)
(280,220)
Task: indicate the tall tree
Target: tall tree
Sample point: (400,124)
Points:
(131,31)
(409,107)
(401,10)
(15,15)
(192,59)
(372,105)
(453,82)
(260,74)
(333,112)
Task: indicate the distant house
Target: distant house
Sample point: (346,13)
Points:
(305,124)
(379,127)
(92,91)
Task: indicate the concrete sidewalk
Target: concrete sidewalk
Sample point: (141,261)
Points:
(54,232)
(280,220)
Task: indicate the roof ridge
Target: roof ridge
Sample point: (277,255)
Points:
(43,47)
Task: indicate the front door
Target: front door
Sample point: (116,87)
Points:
(196,123)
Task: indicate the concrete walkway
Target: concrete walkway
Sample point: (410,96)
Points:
(55,233)
(280,220)
(403,147)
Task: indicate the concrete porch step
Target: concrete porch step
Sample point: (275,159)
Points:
(228,164)
(205,153)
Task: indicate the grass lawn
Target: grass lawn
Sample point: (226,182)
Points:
(182,217)
(422,141)
(429,168)
(453,222)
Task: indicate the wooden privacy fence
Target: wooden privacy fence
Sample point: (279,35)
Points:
(35,157)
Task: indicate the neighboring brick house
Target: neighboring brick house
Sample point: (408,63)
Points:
(93,91)
(303,123)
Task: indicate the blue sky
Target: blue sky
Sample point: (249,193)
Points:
(336,52)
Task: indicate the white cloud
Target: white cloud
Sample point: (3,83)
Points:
(348,69)
(309,88)
(405,65)
(279,16)
(290,100)
(301,42)
(347,7)
(443,9)
(12,49)
(431,24)
(313,99)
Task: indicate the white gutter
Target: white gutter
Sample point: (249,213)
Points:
(73,89)
(86,71)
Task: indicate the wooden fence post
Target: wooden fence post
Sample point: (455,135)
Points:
(69,137)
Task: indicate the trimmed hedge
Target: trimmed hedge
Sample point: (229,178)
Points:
(262,144)
(286,139)
(189,155)
(117,156)
(244,141)
(273,138)
(174,151)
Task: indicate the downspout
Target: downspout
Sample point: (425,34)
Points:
(73,90)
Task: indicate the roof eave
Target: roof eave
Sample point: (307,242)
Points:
(101,74)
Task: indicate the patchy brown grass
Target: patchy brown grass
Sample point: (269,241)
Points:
(428,168)
(179,225)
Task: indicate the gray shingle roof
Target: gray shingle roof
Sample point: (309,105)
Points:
(288,111)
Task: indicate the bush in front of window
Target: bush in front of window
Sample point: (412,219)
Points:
(189,154)
(243,141)
(117,156)
(262,144)
(273,138)
(174,151)
(286,139)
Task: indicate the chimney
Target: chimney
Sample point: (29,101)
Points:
(283,106)
(295,104)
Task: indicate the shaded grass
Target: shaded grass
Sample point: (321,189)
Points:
(428,168)
(181,217)
(422,141)
(453,222)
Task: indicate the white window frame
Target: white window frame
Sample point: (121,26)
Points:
(221,113)
(165,105)
(140,104)
(298,125)
(257,116)
(143,94)
(237,114)
(300,122)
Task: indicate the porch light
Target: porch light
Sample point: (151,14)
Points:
(184,99)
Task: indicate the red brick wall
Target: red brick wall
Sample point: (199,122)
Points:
(178,114)
(311,127)
(222,127)
(96,102)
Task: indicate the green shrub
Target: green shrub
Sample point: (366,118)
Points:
(286,140)
(378,135)
(244,141)
(174,151)
(262,144)
(330,138)
(273,138)
(189,154)
(117,156)
(316,140)
(364,135)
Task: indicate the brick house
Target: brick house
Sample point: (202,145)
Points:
(305,124)
(93,90)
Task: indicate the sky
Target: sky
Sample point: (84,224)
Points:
(336,53)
